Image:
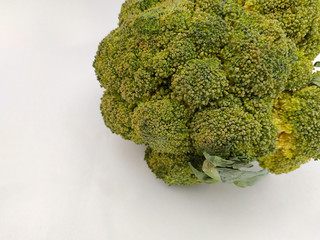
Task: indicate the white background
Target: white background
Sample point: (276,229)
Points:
(64,176)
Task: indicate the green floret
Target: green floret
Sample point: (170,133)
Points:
(173,169)
(209,33)
(261,109)
(258,60)
(166,62)
(300,75)
(176,19)
(298,118)
(298,18)
(225,132)
(162,125)
(132,8)
(104,63)
(148,24)
(199,82)
(117,116)
(213,7)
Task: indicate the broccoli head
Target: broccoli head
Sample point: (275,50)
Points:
(211,86)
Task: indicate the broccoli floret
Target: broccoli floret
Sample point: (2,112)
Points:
(230,131)
(299,19)
(117,116)
(261,109)
(229,78)
(258,60)
(298,117)
(173,169)
(301,74)
(199,82)
(162,125)
(209,32)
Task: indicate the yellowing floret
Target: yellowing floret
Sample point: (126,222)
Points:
(298,117)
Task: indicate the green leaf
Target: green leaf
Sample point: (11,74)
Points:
(241,178)
(202,176)
(211,171)
(217,169)
(316,64)
(229,175)
(241,162)
(250,181)
(241,165)
(235,162)
(316,80)
(218,161)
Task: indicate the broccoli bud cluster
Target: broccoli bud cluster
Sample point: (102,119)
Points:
(231,78)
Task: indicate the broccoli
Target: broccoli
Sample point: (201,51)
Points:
(211,86)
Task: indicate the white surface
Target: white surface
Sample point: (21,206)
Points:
(64,176)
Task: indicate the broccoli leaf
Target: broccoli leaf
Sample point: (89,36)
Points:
(316,64)
(217,161)
(203,176)
(241,178)
(211,171)
(216,169)
(316,80)
(251,180)
(235,162)
(241,162)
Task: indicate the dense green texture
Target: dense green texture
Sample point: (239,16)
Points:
(232,78)
(174,169)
